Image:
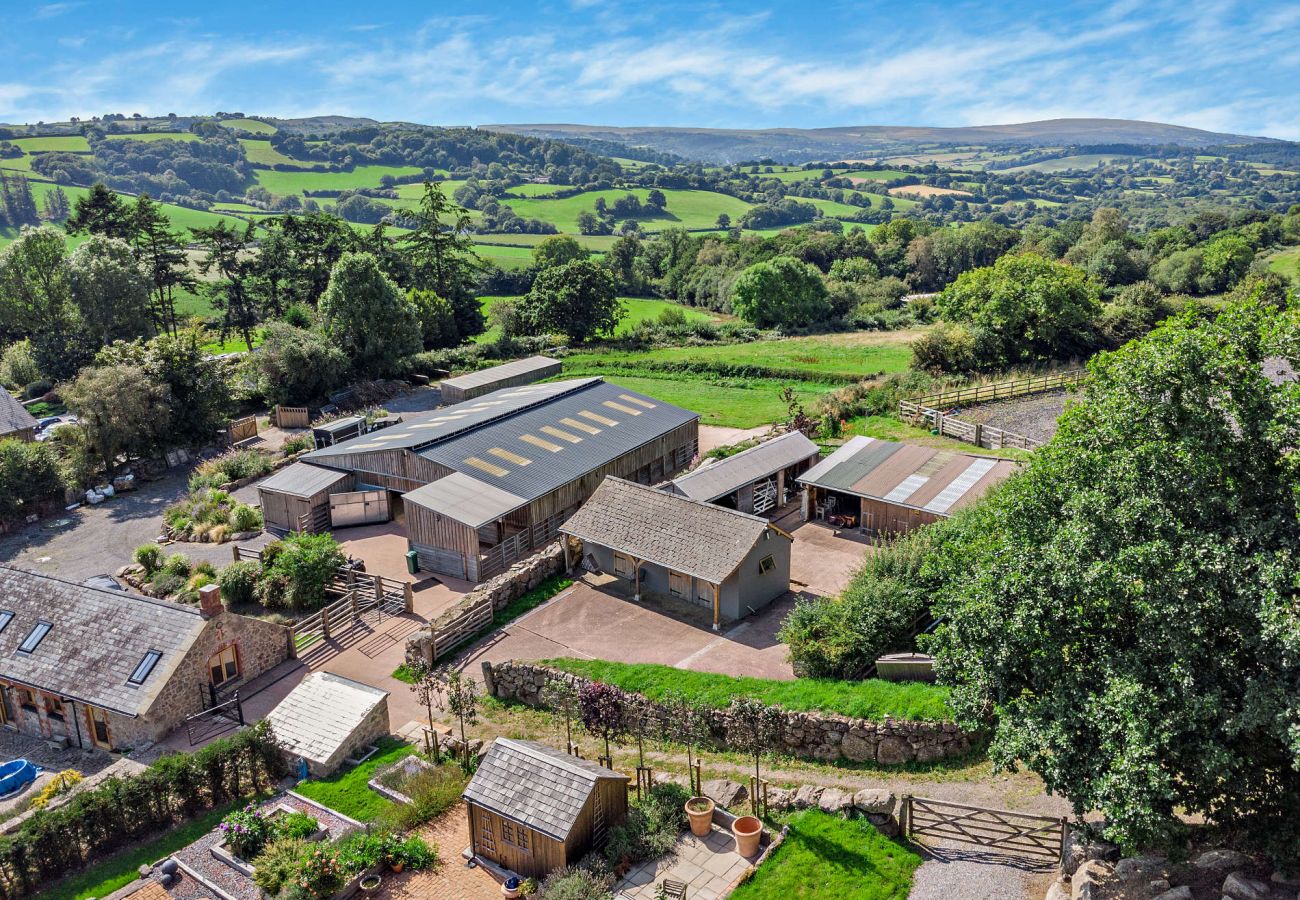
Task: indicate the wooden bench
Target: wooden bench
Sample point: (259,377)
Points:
(673,889)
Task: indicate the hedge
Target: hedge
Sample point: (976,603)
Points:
(120,812)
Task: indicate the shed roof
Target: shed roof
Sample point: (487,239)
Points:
(714,480)
(536,785)
(302,480)
(96,640)
(336,425)
(320,715)
(465,500)
(688,536)
(530,365)
(13,415)
(935,481)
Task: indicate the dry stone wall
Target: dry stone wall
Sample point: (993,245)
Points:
(821,736)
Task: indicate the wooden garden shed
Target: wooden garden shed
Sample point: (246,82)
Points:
(297,498)
(511,374)
(533,809)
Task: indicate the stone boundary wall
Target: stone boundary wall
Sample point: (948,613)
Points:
(825,737)
(502,590)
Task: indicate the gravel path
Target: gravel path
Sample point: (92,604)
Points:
(1034,416)
(974,874)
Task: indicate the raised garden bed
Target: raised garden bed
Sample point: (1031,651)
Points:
(390,781)
(222,851)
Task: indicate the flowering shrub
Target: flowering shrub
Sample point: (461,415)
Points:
(319,874)
(246,831)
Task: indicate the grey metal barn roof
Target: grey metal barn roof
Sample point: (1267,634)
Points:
(531,365)
(465,500)
(718,479)
(536,785)
(13,415)
(96,640)
(688,536)
(337,425)
(546,446)
(302,480)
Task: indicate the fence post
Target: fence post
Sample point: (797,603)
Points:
(408,596)
(979,435)
(356,611)
(1065,828)
(234,551)
(379,589)
(905,816)
(325,622)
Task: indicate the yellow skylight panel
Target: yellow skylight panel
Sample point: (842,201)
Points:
(510,457)
(538,442)
(562,435)
(637,400)
(484,466)
(597,417)
(621,407)
(581,426)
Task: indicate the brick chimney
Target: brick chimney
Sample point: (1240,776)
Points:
(210,601)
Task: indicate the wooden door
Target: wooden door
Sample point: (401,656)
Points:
(486,840)
(223,666)
(97,725)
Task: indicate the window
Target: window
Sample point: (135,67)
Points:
(523,838)
(34,637)
(26,699)
(507,832)
(145,667)
(224,666)
(5,618)
(54,707)
(766,564)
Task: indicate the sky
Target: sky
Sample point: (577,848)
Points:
(1213,64)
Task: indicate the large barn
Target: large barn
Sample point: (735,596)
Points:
(884,487)
(483,483)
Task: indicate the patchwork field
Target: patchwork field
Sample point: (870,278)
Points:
(74,143)
(925,190)
(1066,163)
(1287,263)
(281,183)
(639,309)
(261,153)
(253,125)
(688,209)
(148,136)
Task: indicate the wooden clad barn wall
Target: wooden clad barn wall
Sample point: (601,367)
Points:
(281,510)
(894,519)
(544,854)
(568,497)
(441,544)
(398,470)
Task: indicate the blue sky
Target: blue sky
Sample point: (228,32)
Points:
(1224,66)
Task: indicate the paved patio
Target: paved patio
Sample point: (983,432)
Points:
(451,879)
(707,866)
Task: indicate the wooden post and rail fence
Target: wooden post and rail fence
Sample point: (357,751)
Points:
(1041,838)
(930,409)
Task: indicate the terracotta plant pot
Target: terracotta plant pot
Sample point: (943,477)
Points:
(701,817)
(397,866)
(748,830)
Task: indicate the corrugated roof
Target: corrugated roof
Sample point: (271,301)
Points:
(320,715)
(924,478)
(688,536)
(714,480)
(302,480)
(535,784)
(96,640)
(533,364)
(465,499)
(423,430)
(550,444)
(13,415)
(337,425)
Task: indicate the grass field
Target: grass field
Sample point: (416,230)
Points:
(872,698)
(538,190)
(729,402)
(17,163)
(261,153)
(826,857)
(253,125)
(1287,263)
(181,216)
(873,174)
(596,242)
(639,309)
(347,791)
(72,143)
(281,183)
(688,209)
(831,208)
(149,136)
(1067,163)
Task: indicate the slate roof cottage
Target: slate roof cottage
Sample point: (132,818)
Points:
(533,809)
(93,667)
(15,421)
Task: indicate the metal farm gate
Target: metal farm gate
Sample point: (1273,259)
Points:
(1040,838)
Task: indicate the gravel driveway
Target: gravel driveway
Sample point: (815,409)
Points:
(1034,416)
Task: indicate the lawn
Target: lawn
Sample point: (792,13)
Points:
(868,699)
(72,143)
(283,183)
(1287,263)
(639,309)
(728,402)
(826,857)
(348,793)
(688,209)
(253,125)
(233,343)
(119,870)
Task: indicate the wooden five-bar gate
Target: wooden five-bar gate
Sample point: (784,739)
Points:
(1040,838)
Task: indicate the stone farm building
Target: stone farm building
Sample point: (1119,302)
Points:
(729,562)
(533,809)
(486,482)
(884,487)
(758,480)
(15,421)
(91,667)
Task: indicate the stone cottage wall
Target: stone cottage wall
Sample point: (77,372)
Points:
(821,736)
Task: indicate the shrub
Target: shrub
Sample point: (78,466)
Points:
(245,518)
(432,792)
(59,784)
(293,825)
(651,828)
(318,875)
(177,564)
(297,572)
(165,584)
(29,476)
(246,831)
(297,444)
(149,556)
(199,580)
(576,883)
(38,388)
(18,365)
(239,582)
(278,864)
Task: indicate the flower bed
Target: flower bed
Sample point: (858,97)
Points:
(248,831)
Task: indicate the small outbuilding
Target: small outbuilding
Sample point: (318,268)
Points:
(297,498)
(884,487)
(15,421)
(327,434)
(759,480)
(511,374)
(328,718)
(729,562)
(533,809)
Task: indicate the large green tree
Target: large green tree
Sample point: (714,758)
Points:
(577,299)
(36,300)
(1124,612)
(120,409)
(295,367)
(367,317)
(557,250)
(781,293)
(441,256)
(109,289)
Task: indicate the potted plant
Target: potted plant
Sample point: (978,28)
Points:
(510,887)
(370,884)
(700,811)
(748,830)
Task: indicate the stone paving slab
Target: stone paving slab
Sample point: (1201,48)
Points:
(707,866)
